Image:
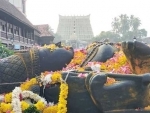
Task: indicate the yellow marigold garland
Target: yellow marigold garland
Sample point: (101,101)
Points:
(62,98)
(26,85)
(24,105)
(56,77)
(62,103)
(8,97)
(51,47)
(40,105)
(59,108)
(5,107)
(120,64)
(79,56)
(51,109)
(117,64)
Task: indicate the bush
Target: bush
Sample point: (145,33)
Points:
(4,51)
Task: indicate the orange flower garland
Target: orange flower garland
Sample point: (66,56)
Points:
(117,64)
(79,56)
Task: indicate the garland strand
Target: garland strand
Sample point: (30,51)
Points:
(14,102)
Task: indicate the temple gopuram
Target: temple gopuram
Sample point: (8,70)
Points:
(75,28)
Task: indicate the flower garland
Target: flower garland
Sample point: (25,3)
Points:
(51,47)
(61,107)
(56,77)
(120,64)
(79,56)
(119,61)
(26,85)
(116,64)
(41,102)
(14,103)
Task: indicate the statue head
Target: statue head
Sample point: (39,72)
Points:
(55,58)
(137,54)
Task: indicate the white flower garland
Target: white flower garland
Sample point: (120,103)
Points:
(2,98)
(16,104)
(35,97)
(96,67)
(46,79)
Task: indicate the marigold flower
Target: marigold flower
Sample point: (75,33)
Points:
(51,109)
(24,105)
(8,97)
(40,105)
(6,107)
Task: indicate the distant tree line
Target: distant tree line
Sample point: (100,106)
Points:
(123,28)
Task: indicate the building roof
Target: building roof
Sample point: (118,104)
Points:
(11,10)
(44,29)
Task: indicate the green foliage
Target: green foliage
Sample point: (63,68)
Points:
(31,109)
(5,52)
(123,28)
(106,35)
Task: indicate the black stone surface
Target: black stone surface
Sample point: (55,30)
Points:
(55,60)
(127,111)
(130,92)
(91,95)
(79,100)
(138,55)
(29,64)
(105,52)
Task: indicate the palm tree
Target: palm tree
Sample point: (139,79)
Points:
(115,25)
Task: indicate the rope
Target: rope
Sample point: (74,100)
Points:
(67,76)
(91,55)
(1,84)
(31,56)
(60,80)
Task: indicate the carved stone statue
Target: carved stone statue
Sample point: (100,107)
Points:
(28,64)
(93,95)
(99,52)
(138,55)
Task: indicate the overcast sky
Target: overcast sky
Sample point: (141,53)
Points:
(102,11)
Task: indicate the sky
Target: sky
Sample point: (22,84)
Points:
(101,12)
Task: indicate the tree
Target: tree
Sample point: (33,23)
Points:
(128,27)
(107,35)
(142,33)
(123,28)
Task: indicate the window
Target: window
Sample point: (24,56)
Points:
(0,27)
(3,27)
(11,30)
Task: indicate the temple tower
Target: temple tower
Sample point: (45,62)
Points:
(75,28)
